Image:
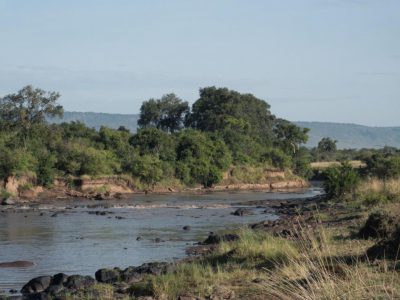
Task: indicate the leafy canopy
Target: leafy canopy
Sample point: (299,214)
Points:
(27,107)
(167,113)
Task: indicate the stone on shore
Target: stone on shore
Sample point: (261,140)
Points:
(36,285)
(76,282)
(108,275)
(242,212)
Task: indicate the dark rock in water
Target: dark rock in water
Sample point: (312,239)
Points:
(108,275)
(36,285)
(119,217)
(216,238)
(13,291)
(54,215)
(379,225)
(76,282)
(139,238)
(242,212)
(187,228)
(17,264)
(158,240)
(59,278)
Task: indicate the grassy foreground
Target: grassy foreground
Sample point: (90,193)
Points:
(327,261)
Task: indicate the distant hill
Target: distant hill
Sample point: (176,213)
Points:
(97,120)
(347,135)
(352,135)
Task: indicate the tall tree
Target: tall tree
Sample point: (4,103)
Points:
(327,144)
(219,108)
(28,107)
(167,113)
(289,136)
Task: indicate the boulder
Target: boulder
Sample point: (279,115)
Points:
(108,275)
(216,238)
(387,248)
(36,285)
(9,201)
(17,264)
(135,274)
(242,212)
(37,296)
(59,278)
(187,228)
(76,282)
(379,225)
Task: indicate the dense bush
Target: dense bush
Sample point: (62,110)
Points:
(224,129)
(340,180)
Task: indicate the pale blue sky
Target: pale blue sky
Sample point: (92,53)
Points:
(312,60)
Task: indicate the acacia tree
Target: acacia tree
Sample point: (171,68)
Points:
(28,107)
(289,136)
(327,144)
(167,113)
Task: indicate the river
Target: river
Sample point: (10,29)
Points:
(69,237)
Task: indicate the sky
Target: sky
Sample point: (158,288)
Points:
(311,60)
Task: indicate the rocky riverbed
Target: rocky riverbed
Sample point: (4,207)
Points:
(190,223)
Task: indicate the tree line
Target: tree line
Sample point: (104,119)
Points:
(194,145)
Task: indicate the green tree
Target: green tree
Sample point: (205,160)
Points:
(383,166)
(289,136)
(27,107)
(302,163)
(327,144)
(201,158)
(79,159)
(341,180)
(218,108)
(149,169)
(156,142)
(277,158)
(167,113)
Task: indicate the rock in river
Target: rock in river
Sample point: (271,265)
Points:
(17,264)
(242,212)
(36,285)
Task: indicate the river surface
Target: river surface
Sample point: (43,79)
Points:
(69,237)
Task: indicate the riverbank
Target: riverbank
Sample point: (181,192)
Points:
(22,189)
(314,250)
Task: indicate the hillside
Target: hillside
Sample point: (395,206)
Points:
(97,120)
(347,135)
(353,135)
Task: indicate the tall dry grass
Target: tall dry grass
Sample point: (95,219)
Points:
(320,273)
(322,165)
(375,185)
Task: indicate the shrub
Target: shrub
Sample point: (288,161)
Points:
(340,180)
(148,168)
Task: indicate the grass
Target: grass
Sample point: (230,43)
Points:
(252,175)
(258,246)
(322,264)
(98,292)
(372,192)
(321,273)
(322,165)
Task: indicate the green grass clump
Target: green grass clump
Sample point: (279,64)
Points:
(254,246)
